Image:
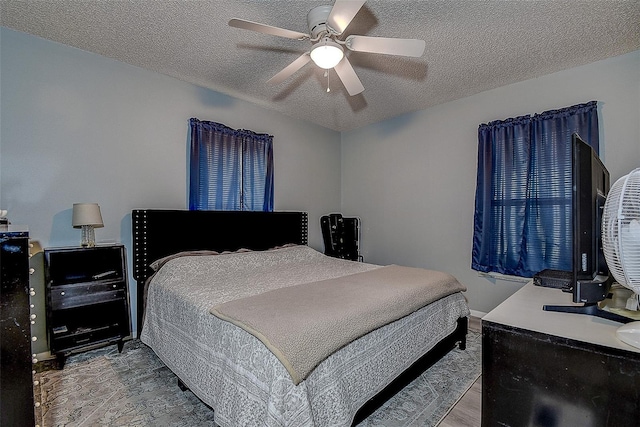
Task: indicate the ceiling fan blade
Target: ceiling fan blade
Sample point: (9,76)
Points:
(349,77)
(388,46)
(342,13)
(267,29)
(290,69)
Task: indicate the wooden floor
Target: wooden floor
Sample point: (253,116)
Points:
(467,411)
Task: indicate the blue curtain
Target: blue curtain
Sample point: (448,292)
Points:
(522,217)
(229,169)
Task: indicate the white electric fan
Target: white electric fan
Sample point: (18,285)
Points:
(621,244)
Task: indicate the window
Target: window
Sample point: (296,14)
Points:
(522,217)
(230,169)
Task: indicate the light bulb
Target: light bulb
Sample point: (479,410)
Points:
(327,53)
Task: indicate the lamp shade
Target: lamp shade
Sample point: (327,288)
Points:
(86,214)
(327,53)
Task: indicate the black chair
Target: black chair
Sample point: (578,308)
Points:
(341,236)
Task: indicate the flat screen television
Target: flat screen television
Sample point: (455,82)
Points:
(590,276)
(590,187)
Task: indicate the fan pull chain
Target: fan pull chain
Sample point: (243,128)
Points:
(326,74)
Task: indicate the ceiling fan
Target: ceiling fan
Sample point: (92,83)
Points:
(326,24)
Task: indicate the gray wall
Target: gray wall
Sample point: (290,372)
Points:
(412,179)
(78,127)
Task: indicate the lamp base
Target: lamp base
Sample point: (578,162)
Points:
(88,236)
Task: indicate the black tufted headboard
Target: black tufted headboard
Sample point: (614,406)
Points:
(158,233)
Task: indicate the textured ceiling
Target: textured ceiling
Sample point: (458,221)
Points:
(471,46)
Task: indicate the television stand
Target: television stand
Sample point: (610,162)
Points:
(590,309)
(554,368)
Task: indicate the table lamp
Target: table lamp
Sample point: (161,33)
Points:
(87,217)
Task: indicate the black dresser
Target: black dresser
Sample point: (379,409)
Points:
(16,378)
(544,368)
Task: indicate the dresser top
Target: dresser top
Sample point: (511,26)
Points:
(524,310)
(11,230)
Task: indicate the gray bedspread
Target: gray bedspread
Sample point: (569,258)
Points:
(304,324)
(235,374)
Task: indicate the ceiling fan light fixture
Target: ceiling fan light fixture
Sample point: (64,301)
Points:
(327,53)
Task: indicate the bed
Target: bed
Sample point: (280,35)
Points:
(232,370)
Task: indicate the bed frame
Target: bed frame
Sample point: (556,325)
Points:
(158,233)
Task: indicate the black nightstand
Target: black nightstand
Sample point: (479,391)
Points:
(87,298)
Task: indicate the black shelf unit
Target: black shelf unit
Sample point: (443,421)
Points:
(87,298)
